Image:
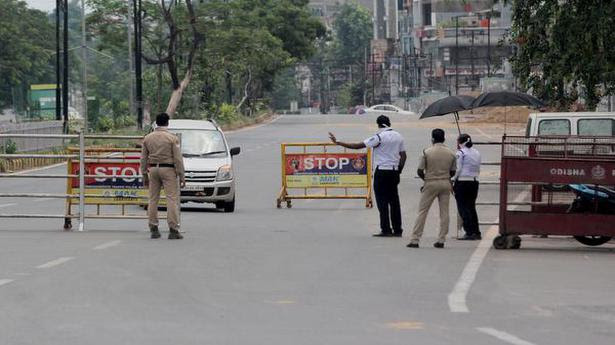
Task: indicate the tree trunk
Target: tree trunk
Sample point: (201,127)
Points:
(245,91)
(177,94)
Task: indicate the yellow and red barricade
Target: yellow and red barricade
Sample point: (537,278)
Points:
(324,171)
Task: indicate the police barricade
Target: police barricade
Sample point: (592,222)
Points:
(327,168)
(95,177)
(112,178)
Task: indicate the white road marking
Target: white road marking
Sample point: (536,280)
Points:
(507,337)
(481,132)
(42,199)
(276,118)
(38,169)
(457,298)
(5,281)
(7,205)
(107,245)
(55,262)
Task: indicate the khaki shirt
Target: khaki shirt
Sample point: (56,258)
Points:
(162,147)
(438,162)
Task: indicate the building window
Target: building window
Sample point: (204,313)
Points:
(427,14)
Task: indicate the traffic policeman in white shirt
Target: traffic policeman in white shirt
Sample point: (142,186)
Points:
(465,185)
(389,159)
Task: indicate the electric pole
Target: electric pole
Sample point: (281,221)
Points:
(58,57)
(130,66)
(456,55)
(65,68)
(472,61)
(84,83)
(138,72)
(489,43)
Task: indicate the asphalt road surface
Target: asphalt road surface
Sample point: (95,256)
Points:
(307,275)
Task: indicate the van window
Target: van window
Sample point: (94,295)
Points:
(554,127)
(529,127)
(596,127)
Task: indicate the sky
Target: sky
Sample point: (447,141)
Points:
(44,5)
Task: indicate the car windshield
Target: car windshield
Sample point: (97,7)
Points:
(202,143)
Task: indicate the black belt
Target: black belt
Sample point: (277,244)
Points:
(162,165)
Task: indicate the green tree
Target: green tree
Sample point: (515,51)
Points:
(352,32)
(26,48)
(563,48)
(205,47)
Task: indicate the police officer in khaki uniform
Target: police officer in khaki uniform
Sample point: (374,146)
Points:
(436,167)
(161,166)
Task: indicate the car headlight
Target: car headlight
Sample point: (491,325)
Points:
(225,173)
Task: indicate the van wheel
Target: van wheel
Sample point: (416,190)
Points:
(592,240)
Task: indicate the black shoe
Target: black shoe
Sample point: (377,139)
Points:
(467,237)
(479,236)
(438,245)
(396,234)
(412,245)
(175,235)
(383,234)
(155,233)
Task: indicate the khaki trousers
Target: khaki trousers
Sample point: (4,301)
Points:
(440,189)
(163,178)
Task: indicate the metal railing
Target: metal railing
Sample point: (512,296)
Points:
(82,158)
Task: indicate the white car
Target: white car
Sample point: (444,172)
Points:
(208,161)
(387,109)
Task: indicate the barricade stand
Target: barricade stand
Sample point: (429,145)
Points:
(112,178)
(95,176)
(325,167)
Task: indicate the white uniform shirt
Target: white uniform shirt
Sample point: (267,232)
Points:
(468,163)
(387,144)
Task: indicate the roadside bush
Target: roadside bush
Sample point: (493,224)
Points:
(227,114)
(104,124)
(125,121)
(10,147)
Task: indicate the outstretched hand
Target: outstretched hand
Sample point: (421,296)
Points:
(332,137)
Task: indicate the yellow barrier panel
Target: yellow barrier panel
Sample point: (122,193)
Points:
(325,167)
(113,178)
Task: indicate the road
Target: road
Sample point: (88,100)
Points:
(307,275)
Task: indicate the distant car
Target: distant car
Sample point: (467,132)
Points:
(387,109)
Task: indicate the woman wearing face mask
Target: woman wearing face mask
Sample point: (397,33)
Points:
(466,186)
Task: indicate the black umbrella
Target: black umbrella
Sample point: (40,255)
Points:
(506,99)
(447,105)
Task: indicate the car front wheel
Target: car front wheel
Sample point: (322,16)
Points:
(227,206)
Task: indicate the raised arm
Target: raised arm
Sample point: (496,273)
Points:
(355,146)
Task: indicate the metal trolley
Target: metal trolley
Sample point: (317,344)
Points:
(553,173)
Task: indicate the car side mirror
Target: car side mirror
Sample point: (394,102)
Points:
(235,151)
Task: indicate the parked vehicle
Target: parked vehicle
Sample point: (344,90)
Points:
(592,199)
(208,162)
(571,123)
(387,109)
